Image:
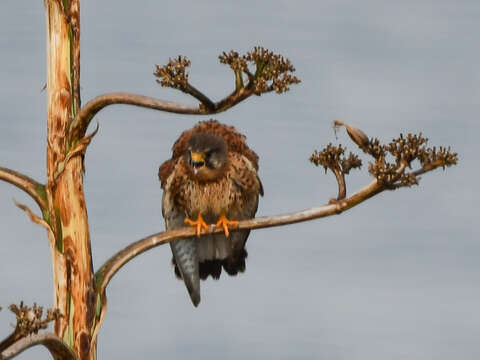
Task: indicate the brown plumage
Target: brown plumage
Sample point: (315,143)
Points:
(212,176)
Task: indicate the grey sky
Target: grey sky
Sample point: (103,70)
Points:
(395,278)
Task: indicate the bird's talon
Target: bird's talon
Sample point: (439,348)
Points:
(225,223)
(199,224)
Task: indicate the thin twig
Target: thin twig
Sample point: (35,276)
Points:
(52,342)
(23,182)
(35,218)
(197,94)
(342,187)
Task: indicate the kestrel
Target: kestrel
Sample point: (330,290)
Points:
(210,179)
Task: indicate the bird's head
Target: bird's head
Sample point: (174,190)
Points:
(206,156)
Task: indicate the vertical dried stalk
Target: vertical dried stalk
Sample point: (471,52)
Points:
(59,102)
(74,288)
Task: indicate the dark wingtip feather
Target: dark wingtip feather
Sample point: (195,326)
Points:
(210,267)
(235,264)
(232,266)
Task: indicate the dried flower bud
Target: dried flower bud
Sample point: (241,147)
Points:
(30,316)
(357,135)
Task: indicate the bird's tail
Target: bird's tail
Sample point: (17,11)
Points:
(185,255)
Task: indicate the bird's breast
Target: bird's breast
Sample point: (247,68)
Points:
(210,199)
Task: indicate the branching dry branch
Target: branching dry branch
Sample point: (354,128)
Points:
(387,175)
(23,182)
(272,73)
(115,263)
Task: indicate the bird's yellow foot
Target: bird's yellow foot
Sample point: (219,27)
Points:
(199,224)
(225,223)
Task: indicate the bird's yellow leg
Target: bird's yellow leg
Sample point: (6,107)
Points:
(225,223)
(199,224)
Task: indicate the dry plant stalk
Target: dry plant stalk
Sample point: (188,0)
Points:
(79,292)
(257,72)
(333,158)
(61,199)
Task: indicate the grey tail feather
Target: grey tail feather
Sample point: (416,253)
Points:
(185,255)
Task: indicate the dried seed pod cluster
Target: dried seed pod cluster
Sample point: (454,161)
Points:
(30,319)
(389,175)
(407,149)
(332,157)
(431,158)
(385,173)
(234,60)
(375,149)
(174,74)
(272,71)
(403,151)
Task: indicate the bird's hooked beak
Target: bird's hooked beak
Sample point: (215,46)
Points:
(198,161)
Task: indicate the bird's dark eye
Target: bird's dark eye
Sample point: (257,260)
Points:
(211,151)
(198,164)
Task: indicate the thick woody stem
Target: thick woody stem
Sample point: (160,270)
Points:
(52,342)
(74,286)
(59,112)
(30,186)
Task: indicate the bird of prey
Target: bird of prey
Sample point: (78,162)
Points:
(211,178)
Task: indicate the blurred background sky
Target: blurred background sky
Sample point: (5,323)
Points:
(394,278)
